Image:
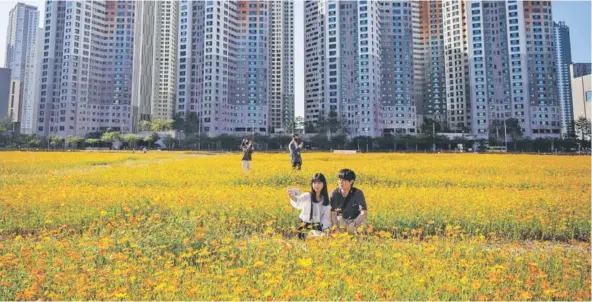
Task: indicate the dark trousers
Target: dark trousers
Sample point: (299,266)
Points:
(305,227)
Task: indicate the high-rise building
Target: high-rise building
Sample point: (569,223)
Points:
(392,65)
(359,65)
(4,91)
(281,65)
(21,52)
(155,60)
(429,70)
(458,92)
(29,106)
(581,69)
(86,67)
(582,96)
(512,67)
(563,61)
(224,69)
(314,60)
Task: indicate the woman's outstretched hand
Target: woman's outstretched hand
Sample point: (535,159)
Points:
(292,193)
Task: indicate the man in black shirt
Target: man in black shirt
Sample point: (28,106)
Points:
(348,205)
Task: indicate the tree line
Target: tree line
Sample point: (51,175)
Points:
(331,134)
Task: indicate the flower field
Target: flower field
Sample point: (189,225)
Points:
(180,226)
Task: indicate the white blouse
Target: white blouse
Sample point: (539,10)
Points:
(320,213)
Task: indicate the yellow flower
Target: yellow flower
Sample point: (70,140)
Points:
(305,262)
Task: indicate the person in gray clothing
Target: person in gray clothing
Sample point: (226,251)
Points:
(348,204)
(295,157)
(247,148)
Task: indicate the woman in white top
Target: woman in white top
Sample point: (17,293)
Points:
(314,206)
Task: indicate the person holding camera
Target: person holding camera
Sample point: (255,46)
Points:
(247,148)
(348,204)
(314,206)
(295,157)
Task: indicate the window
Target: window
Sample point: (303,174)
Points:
(588,96)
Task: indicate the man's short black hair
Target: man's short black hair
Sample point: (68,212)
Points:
(347,174)
(294,135)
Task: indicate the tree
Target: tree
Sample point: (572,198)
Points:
(93,141)
(145,126)
(169,125)
(162,125)
(228,142)
(335,125)
(321,125)
(151,139)
(132,139)
(583,128)
(291,126)
(278,142)
(497,127)
(179,122)
(74,141)
(386,141)
(296,125)
(338,141)
(5,124)
(111,137)
(191,123)
(309,127)
(513,128)
(34,142)
(333,122)
(55,140)
(430,125)
(168,141)
(321,141)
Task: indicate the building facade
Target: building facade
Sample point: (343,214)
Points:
(281,66)
(512,67)
(563,61)
(224,68)
(359,64)
(429,61)
(581,69)
(582,95)
(86,68)
(314,60)
(155,60)
(4,91)
(21,52)
(458,89)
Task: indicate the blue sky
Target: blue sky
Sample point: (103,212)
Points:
(576,14)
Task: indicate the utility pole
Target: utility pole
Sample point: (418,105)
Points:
(496,131)
(434,136)
(505,136)
(253,129)
(199,132)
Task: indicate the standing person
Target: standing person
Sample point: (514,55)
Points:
(295,157)
(348,204)
(314,206)
(247,148)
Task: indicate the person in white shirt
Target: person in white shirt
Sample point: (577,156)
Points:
(314,206)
